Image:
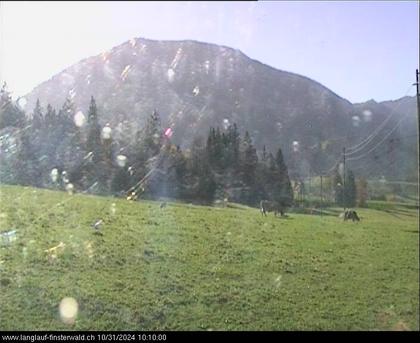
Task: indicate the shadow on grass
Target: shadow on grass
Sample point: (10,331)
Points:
(285,217)
(411,231)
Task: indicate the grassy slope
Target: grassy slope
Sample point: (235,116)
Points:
(200,268)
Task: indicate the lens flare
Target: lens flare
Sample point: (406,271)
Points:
(124,73)
(22,103)
(168,132)
(79,119)
(54,175)
(356,121)
(367,115)
(171,75)
(226,123)
(106,132)
(68,309)
(121,160)
(70,188)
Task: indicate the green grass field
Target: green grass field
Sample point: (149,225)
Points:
(188,267)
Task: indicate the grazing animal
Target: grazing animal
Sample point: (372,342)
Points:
(162,204)
(97,226)
(271,206)
(351,215)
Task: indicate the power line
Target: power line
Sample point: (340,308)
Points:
(368,139)
(332,167)
(380,142)
(361,145)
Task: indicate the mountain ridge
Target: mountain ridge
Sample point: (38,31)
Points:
(195,85)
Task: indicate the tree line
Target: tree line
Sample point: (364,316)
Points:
(56,149)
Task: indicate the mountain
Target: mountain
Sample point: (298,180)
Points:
(196,85)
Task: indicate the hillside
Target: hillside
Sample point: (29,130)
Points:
(196,85)
(189,267)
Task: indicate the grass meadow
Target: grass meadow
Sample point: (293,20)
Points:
(187,267)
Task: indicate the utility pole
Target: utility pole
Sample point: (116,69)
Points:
(418,129)
(418,110)
(322,203)
(344,178)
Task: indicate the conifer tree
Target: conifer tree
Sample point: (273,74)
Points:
(93,143)
(37,116)
(152,140)
(249,159)
(350,191)
(284,195)
(249,162)
(10,113)
(338,188)
(50,117)
(361,192)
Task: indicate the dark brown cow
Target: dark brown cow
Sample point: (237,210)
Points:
(351,215)
(271,206)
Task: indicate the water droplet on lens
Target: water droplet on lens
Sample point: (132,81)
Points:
(68,309)
(113,208)
(121,160)
(168,132)
(70,188)
(356,121)
(22,103)
(106,132)
(367,115)
(79,119)
(124,73)
(226,123)
(64,177)
(54,175)
(171,75)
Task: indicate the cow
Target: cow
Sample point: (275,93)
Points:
(271,206)
(351,215)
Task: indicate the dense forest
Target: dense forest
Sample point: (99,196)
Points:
(65,149)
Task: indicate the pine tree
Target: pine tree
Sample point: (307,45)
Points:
(362,192)
(66,116)
(210,146)
(180,166)
(235,141)
(249,159)
(219,149)
(37,116)
(201,183)
(264,155)
(350,190)
(338,188)
(93,142)
(121,181)
(284,193)
(50,117)
(10,114)
(27,168)
(249,162)
(270,177)
(152,140)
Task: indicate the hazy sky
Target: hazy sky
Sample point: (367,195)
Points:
(360,50)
